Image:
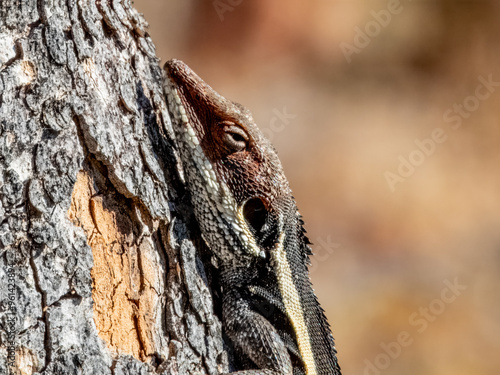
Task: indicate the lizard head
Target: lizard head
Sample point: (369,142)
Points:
(234,173)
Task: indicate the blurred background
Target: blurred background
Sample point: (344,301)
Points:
(386,117)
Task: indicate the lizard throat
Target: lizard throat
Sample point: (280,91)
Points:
(221,204)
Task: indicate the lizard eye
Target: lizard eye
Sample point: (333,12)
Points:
(234,138)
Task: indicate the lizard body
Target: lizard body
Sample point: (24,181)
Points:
(250,222)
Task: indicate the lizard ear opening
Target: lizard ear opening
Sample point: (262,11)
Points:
(255,214)
(259,221)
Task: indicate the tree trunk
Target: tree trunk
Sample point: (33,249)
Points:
(99,273)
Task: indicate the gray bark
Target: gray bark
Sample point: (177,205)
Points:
(98,270)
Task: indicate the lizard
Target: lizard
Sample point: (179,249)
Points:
(249,220)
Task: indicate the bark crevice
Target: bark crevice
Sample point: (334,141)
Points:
(44,318)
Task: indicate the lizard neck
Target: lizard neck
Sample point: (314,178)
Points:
(312,331)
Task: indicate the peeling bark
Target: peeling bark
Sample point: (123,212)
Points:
(99,272)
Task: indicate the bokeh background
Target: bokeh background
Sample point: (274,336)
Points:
(343,111)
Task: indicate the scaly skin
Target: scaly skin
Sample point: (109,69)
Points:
(249,221)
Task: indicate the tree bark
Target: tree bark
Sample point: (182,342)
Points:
(99,271)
